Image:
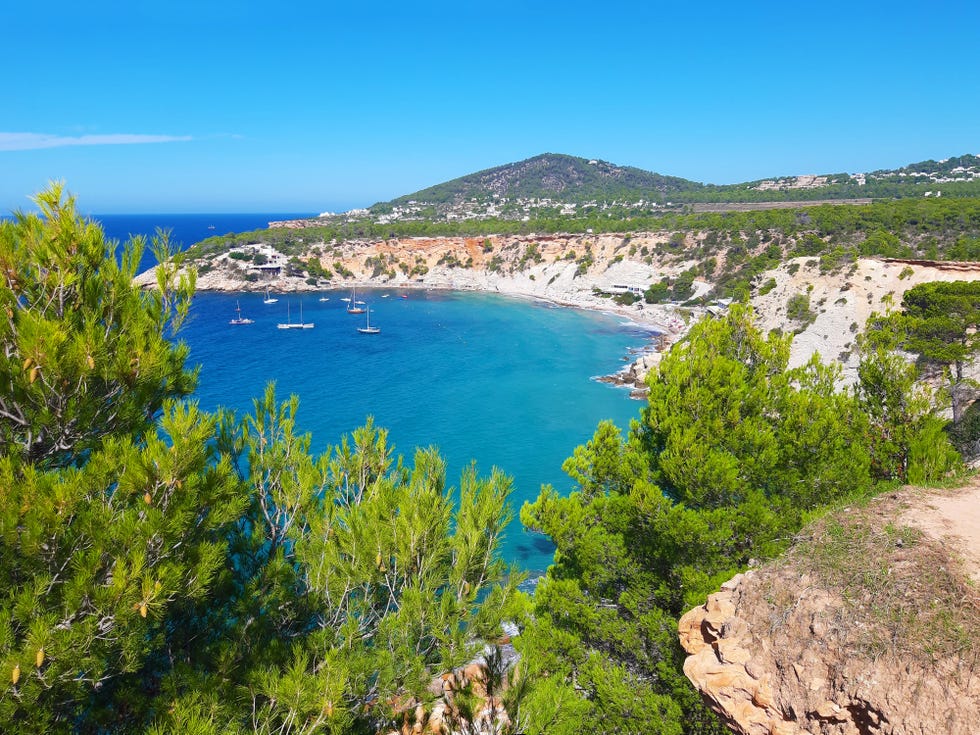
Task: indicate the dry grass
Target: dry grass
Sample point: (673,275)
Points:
(904,593)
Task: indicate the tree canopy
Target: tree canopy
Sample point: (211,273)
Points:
(85,355)
(733,452)
(939,322)
(166,569)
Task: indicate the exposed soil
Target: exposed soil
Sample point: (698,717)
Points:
(953,518)
(867,625)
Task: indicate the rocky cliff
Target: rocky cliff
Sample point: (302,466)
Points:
(587,271)
(868,625)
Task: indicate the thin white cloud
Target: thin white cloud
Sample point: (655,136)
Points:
(34,141)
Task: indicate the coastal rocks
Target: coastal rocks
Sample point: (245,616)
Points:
(634,375)
(734,685)
(468,701)
(787,650)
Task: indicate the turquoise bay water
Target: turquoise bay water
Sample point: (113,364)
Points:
(505,382)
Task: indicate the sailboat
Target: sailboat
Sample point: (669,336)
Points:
(240,319)
(368,329)
(353,305)
(269,299)
(289,324)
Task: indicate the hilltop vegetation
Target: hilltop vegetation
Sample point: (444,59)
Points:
(729,249)
(556,194)
(551,176)
(518,189)
(958,176)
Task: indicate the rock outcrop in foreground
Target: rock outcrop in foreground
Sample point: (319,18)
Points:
(868,625)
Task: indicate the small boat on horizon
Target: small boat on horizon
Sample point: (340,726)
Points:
(367,328)
(269,299)
(240,319)
(324,298)
(289,324)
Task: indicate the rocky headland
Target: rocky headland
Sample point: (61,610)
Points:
(868,625)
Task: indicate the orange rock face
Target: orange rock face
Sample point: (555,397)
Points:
(773,653)
(443,717)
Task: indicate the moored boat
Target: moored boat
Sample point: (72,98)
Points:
(367,328)
(240,319)
(289,324)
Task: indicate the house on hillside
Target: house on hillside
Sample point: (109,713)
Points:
(267,271)
(624,288)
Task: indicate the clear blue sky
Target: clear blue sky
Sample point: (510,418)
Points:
(196,106)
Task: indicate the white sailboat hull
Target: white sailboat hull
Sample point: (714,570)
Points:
(295,325)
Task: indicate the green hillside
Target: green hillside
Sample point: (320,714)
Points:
(564,179)
(557,177)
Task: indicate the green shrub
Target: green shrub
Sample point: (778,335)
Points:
(931,456)
(965,435)
(798,310)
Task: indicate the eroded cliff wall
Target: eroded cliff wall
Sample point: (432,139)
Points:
(868,625)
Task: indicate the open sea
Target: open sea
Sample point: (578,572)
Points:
(504,382)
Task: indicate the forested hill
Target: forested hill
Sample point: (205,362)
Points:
(557,177)
(570,180)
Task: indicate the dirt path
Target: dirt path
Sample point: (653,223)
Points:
(953,516)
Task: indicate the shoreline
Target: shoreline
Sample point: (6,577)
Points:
(578,271)
(648,317)
(637,360)
(661,323)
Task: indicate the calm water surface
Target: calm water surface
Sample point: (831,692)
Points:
(504,382)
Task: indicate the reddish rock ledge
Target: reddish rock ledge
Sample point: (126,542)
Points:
(867,627)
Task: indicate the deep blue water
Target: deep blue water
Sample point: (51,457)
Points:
(185,229)
(505,382)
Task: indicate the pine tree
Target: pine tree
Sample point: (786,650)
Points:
(113,507)
(940,322)
(164,569)
(85,355)
(732,450)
